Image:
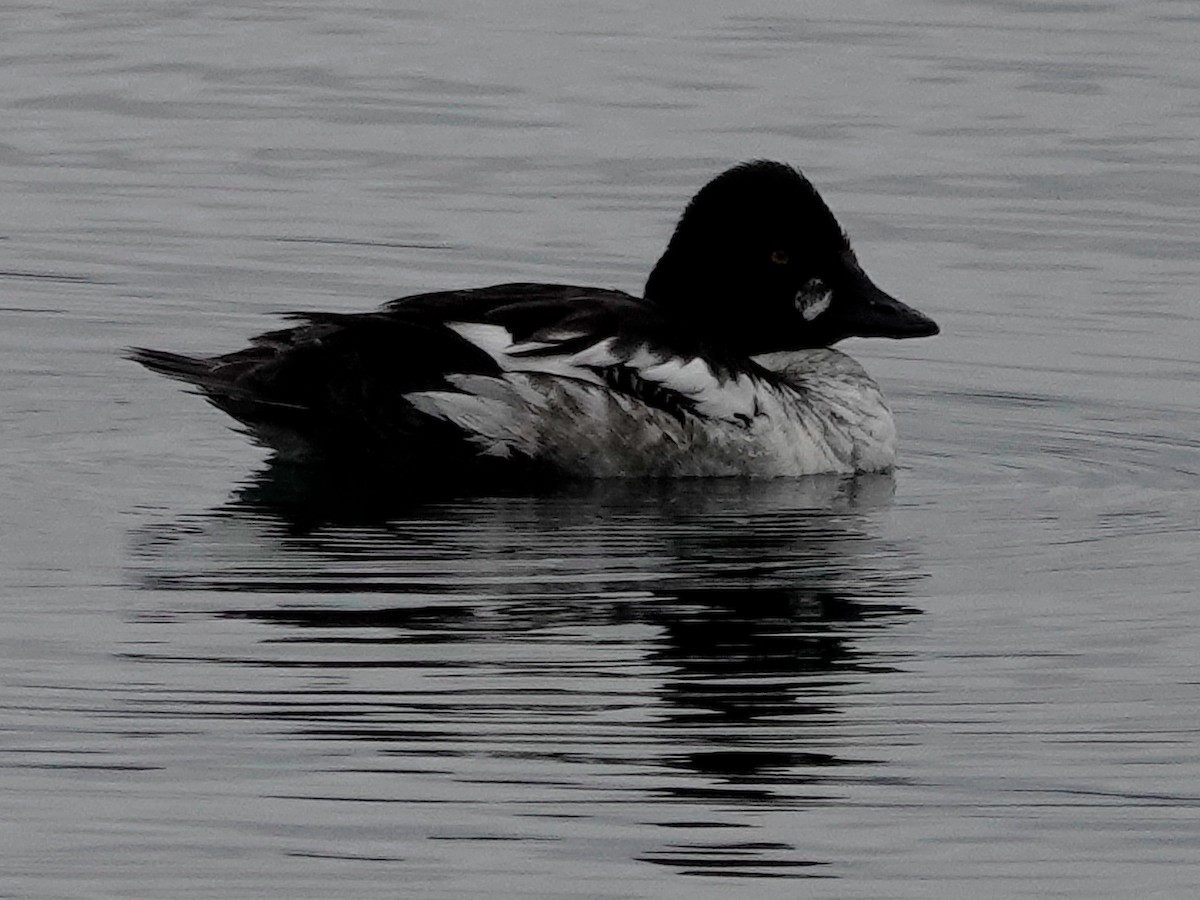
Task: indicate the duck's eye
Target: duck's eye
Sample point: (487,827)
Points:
(813,299)
(779,257)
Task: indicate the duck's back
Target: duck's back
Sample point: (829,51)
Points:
(337,386)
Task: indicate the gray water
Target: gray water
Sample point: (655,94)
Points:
(976,678)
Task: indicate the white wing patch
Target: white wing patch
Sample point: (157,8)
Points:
(497,342)
(730,399)
(817,412)
(494,340)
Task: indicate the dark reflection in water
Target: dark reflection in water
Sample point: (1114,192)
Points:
(685,647)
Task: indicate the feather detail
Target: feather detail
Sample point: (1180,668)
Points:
(497,342)
(817,412)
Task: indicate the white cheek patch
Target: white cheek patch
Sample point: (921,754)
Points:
(813,299)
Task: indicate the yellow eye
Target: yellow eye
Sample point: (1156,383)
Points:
(779,257)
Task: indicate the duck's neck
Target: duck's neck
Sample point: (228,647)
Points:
(696,305)
(663,285)
(708,309)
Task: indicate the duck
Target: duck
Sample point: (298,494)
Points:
(723,367)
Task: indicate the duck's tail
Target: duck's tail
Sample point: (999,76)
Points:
(190,369)
(220,379)
(276,424)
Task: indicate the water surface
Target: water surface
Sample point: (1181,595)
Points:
(975,677)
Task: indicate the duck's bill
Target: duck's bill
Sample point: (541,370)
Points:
(871,312)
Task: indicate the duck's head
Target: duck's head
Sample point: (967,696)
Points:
(758,263)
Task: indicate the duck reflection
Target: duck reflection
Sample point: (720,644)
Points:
(709,631)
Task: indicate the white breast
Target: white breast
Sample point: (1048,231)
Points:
(814,411)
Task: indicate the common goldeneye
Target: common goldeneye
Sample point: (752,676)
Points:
(723,368)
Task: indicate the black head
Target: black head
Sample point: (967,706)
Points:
(759,263)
